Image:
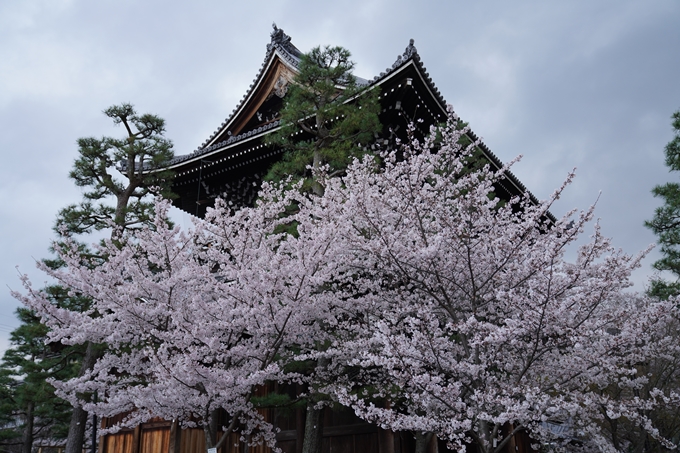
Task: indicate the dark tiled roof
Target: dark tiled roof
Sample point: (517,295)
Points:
(223,143)
(411,54)
(281,45)
(281,42)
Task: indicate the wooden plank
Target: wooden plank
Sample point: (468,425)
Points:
(156,424)
(101,446)
(288,435)
(192,441)
(118,442)
(287,446)
(386,441)
(366,442)
(299,422)
(155,441)
(343,444)
(136,438)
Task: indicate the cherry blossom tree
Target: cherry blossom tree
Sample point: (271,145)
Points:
(193,321)
(434,306)
(473,325)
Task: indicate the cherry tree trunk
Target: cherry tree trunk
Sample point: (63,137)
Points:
(76,430)
(313,439)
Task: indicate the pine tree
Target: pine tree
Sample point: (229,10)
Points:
(8,435)
(29,409)
(666,221)
(332,109)
(143,148)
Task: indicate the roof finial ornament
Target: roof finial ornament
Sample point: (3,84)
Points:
(278,36)
(410,50)
(408,53)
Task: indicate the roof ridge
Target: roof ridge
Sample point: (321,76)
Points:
(280,41)
(411,53)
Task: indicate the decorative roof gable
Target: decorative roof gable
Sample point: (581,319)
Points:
(276,72)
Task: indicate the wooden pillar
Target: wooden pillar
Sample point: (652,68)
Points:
(434,445)
(512,446)
(136,439)
(386,440)
(175,437)
(299,423)
(102,439)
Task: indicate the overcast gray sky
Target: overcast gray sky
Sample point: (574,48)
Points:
(586,84)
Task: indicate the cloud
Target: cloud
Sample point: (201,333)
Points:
(587,84)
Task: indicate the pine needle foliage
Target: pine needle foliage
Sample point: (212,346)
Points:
(143,148)
(336,115)
(666,221)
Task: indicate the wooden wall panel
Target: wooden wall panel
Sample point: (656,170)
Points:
(344,433)
(193,441)
(120,442)
(340,444)
(155,440)
(366,442)
(233,445)
(287,446)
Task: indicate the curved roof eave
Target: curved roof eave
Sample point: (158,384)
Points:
(411,57)
(280,48)
(224,145)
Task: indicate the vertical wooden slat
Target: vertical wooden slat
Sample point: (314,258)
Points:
(120,442)
(102,439)
(299,425)
(365,442)
(192,441)
(155,440)
(433,446)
